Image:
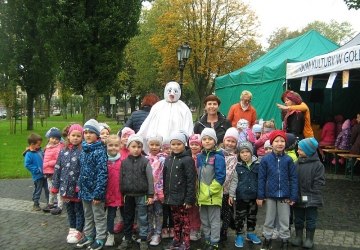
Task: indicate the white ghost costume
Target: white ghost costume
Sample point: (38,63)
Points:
(168,115)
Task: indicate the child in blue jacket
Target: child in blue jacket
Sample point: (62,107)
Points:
(33,161)
(277,183)
(92,186)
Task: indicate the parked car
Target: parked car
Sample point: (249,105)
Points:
(56,112)
(3,115)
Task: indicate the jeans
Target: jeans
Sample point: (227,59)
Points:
(40,184)
(155,217)
(75,213)
(51,195)
(131,204)
(305,214)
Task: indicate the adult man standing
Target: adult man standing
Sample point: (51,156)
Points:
(212,118)
(243,110)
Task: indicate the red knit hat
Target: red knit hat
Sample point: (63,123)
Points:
(195,138)
(275,134)
(292,96)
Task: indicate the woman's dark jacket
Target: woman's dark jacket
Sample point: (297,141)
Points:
(137,118)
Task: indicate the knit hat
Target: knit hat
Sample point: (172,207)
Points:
(156,138)
(92,125)
(166,143)
(246,145)
(290,141)
(76,127)
(104,126)
(48,132)
(232,132)
(292,96)
(209,132)
(243,124)
(178,135)
(275,134)
(256,128)
(195,138)
(54,132)
(134,137)
(126,131)
(267,144)
(308,145)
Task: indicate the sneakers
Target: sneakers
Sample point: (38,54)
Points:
(155,240)
(74,236)
(275,234)
(84,242)
(56,211)
(239,241)
(195,235)
(119,227)
(165,233)
(266,245)
(144,245)
(253,238)
(48,208)
(171,232)
(96,245)
(110,241)
(36,207)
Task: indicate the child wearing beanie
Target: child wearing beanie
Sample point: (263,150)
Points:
(243,192)
(291,146)
(230,154)
(212,173)
(92,184)
(66,174)
(104,131)
(195,223)
(311,175)
(50,157)
(155,211)
(179,189)
(277,183)
(268,127)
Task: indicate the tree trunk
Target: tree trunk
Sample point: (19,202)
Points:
(48,105)
(89,103)
(132,101)
(30,111)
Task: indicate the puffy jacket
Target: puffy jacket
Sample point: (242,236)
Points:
(136,177)
(230,163)
(51,155)
(244,184)
(220,126)
(277,177)
(33,161)
(179,179)
(328,134)
(343,140)
(311,179)
(114,197)
(137,118)
(93,172)
(66,174)
(212,174)
(259,144)
(157,165)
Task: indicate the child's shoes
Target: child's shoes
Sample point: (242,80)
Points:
(119,227)
(110,240)
(165,233)
(74,236)
(56,211)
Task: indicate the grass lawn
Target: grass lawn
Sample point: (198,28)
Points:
(13,145)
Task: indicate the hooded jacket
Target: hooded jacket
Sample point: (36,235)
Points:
(212,174)
(220,126)
(179,179)
(277,178)
(50,157)
(311,179)
(33,161)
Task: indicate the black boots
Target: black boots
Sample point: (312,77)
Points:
(266,245)
(309,241)
(284,245)
(223,235)
(297,241)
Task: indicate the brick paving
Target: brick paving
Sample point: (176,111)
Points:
(21,228)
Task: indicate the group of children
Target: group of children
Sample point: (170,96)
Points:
(181,185)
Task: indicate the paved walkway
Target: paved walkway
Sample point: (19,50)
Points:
(20,228)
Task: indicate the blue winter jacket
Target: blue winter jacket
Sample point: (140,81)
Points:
(247,186)
(137,118)
(277,178)
(93,172)
(33,161)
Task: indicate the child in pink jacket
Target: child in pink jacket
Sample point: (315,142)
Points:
(51,154)
(114,198)
(268,126)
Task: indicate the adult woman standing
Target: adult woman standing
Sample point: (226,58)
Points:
(212,118)
(138,117)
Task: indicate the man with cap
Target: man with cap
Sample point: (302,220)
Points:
(243,192)
(311,175)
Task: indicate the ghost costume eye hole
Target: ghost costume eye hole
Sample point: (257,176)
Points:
(176,91)
(169,90)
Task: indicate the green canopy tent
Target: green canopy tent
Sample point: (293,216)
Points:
(265,77)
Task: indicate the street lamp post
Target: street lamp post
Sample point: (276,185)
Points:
(183,54)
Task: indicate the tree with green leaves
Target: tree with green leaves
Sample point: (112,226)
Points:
(31,56)
(90,37)
(353,4)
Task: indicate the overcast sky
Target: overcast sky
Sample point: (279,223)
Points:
(296,14)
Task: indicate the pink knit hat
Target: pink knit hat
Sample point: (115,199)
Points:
(233,133)
(76,127)
(195,138)
(127,131)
